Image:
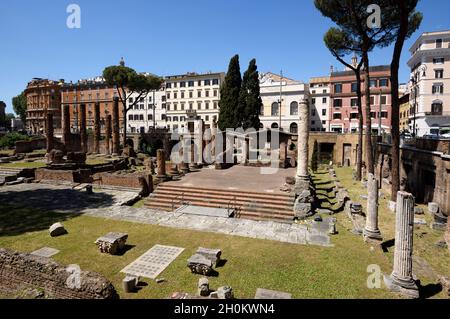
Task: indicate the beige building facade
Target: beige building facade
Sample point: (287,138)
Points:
(430,83)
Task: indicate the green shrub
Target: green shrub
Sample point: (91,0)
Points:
(10,139)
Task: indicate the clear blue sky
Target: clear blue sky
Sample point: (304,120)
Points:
(173,37)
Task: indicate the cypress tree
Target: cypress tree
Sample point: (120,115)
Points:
(250,102)
(229,96)
(315,157)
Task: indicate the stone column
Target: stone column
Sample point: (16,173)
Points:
(115,128)
(193,149)
(371,231)
(245,150)
(49,133)
(283,153)
(66,124)
(184,167)
(83,132)
(108,134)
(302,176)
(401,279)
(161,164)
(97,128)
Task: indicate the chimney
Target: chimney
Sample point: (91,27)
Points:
(331,69)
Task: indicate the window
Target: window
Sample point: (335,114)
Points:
(169,119)
(182,95)
(136,117)
(191,83)
(207,105)
(384,115)
(313,112)
(338,88)
(199,93)
(207,93)
(438,43)
(274,125)
(175,84)
(384,83)
(324,100)
(324,112)
(438,61)
(191,105)
(372,100)
(182,84)
(141,117)
(383,100)
(191,94)
(373,115)
(354,102)
(168,107)
(436,108)
(175,118)
(313,123)
(182,106)
(215,92)
(207,82)
(168,85)
(438,74)
(141,99)
(438,88)
(275,110)
(207,118)
(215,81)
(294,108)
(373,83)
(337,103)
(261,110)
(313,100)
(337,116)
(354,87)
(199,83)
(354,116)
(313,92)
(175,95)
(215,105)
(175,107)
(324,91)
(168,95)
(130,117)
(199,105)
(142,106)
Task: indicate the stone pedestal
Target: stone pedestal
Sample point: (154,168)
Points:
(115,128)
(371,231)
(97,128)
(83,132)
(49,133)
(108,134)
(161,164)
(401,280)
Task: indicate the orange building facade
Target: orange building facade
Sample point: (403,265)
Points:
(43,96)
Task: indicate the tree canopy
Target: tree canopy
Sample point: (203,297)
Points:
(20,106)
(250,101)
(229,96)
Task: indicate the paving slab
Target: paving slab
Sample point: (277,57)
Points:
(46,252)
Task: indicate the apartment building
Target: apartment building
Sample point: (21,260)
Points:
(430,83)
(89,92)
(192,96)
(148,113)
(273,88)
(43,96)
(344,117)
(319,88)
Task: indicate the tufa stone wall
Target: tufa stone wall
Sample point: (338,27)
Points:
(30,146)
(19,271)
(73,176)
(114,179)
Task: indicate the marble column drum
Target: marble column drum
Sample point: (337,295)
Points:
(371,231)
(401,280)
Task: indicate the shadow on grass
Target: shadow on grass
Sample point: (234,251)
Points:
(429,290)
(36,210)
(125,249)
(387,244)
(16,221)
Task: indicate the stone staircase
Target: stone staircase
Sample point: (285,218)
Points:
(9,173)
(248,205)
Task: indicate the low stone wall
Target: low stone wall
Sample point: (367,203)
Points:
(20,271)
(73,176)
(114,179)
(447,234)
(30,146)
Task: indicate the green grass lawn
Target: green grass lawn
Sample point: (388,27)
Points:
(24,165)
(304,271)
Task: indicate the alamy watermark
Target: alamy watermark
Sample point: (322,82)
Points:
(375,277)
(374,19)
(74,19)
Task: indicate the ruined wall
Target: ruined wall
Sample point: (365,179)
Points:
(425,172)
(19,271)
(72,176)
(114,179)
(447,234)
(30,146)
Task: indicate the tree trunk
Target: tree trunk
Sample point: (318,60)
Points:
(360,126)
(124,141)
(395,124)
(369,151)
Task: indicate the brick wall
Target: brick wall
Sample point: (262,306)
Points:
(73,176)
(19,271)
(114,179)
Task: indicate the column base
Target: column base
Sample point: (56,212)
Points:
(373,235)
(407,288)
(302,183)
